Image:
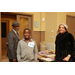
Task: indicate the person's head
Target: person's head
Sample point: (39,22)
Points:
(15,25)
(62,28)
(27,33)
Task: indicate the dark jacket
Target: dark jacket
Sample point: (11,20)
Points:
(64,46)
(12,45)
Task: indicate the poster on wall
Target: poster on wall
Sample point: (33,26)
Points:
(36,23)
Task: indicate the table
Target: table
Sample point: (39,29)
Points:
(46,56)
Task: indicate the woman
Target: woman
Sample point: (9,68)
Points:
(64,45)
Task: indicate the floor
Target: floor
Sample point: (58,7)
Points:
(4,59)
(4,56)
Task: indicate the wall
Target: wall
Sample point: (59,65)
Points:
(61,17)
(53,19)
(10,19)
(37,16)
(42,25)
(51,24)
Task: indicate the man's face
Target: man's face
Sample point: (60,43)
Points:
(16,28)
(26,34)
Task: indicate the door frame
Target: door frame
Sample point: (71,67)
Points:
(67,20)
(29,22)
(13,13)
(7,29)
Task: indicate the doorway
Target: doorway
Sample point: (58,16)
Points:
(25,22)
(4,32)
(6,22)
(71,24)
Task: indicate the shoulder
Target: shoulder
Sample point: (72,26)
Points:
(57,36)
(70,35)
(21,41)
(32,40)
(11,33)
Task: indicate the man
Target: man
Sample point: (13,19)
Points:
(13,39)
(27,48)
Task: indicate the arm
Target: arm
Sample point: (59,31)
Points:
(19,52)
(71,51)
(35,52)
(71,46)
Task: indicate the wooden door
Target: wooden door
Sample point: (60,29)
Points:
(74,27)
(36,35)
(25,22)
(71,25)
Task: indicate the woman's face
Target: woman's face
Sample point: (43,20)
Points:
(62,29)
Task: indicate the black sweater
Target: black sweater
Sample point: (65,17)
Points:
(64,46)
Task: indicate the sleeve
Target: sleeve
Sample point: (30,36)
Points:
(56,49)
(11,44)
(71,46)
(73,54)
(19,52)
(35,52)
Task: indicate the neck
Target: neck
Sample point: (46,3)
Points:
(15,29)
(62,33)
(27,40)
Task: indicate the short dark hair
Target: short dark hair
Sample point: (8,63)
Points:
(26,29)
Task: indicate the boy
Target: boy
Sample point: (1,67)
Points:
(27,48)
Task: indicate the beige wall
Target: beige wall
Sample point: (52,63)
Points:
(61,17)
(51,24)
(53,19)
(42,25)
(37,16)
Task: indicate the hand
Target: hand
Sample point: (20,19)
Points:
(7,44)
(67,58)
(14,60)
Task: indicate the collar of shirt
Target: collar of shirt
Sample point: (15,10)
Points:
(14,30)
(29,40)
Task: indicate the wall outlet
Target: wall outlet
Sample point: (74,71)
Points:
(52,31)
(51,37)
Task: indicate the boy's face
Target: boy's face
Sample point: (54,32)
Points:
(26,34)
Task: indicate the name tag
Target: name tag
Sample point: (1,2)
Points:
(31,44)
